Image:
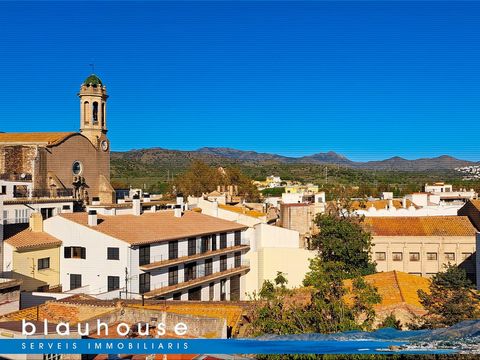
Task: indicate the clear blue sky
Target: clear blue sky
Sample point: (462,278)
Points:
(368,80)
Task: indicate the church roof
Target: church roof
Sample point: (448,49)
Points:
(93,80)
(40,138)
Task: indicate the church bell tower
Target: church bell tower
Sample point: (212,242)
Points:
(93,105)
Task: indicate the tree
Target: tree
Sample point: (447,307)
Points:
(280,279)
(451,299)
(342,239)
(391,322)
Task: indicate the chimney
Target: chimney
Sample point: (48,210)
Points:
(146,197)
(390,203)
(36,222)
(404,203)
(178,211)
(180,200)
(95,200)
(92,218)
(137,206)
(215,208)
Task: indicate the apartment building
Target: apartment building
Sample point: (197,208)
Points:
(422,245)
(179,255)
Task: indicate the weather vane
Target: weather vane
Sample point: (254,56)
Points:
(93,67)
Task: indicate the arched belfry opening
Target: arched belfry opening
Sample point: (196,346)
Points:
(93,98)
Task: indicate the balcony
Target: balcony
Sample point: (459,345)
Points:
(185,258)
(164,288)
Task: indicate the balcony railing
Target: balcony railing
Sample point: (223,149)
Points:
(16,177)
(164,288)
(162,261)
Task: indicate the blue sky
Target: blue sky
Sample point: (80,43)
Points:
(369,80)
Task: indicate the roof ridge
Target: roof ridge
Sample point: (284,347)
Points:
(398,284)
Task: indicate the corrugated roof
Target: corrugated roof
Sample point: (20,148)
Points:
(43,138)
(156,227)
(24,239)
(420,226)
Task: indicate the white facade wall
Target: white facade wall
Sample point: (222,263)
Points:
(19,213)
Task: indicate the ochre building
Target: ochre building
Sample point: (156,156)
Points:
(52,164)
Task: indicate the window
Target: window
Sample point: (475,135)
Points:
(4,190)
(466,256)
(380,256)
(52,357)
(177,296)
(450,256)
(75,252)
(223,291)
(223,240)
(190,271)
(22,216)
(238,259)
(214,242)
(86,108)
(75,281)
(238,238)
(95,112)
(172,250)
(223,262)
(77,168)
(144,283)
(113,283)
(208,267)
(113,253)
(144,255)
(211,291)
(43,263)
(204,245)
(397,256)
(414,256)
(432,256)
(47,213)
(173,275)
(192,246)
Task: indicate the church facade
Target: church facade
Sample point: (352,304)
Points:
(58,164)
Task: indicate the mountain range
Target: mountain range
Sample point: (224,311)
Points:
(220,155)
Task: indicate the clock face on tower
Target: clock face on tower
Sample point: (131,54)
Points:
(104,145)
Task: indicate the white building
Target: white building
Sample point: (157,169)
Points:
(164,254)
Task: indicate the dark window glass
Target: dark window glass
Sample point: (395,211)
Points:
(4,190)
(113,253)
(75,281)
(223,240)
(223,262)
(172,250)
(144,283)
(75,252)
(177,296)
(43,263)
(238,259)
(238,238)
(113,283)
(208,266)
(204,245)
(192,246)
(144,255)
(214,242)
(173,275)
(190,271)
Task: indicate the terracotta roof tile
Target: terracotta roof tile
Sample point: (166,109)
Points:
(420,226)
(44,138)
(156,227)
(395,288)
(242,210)
(23,239)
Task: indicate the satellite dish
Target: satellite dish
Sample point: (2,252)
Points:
(23,175)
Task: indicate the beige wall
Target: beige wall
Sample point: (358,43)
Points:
(460,246)
(78,148)
(25,264)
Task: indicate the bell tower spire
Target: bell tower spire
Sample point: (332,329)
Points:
(93,105)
